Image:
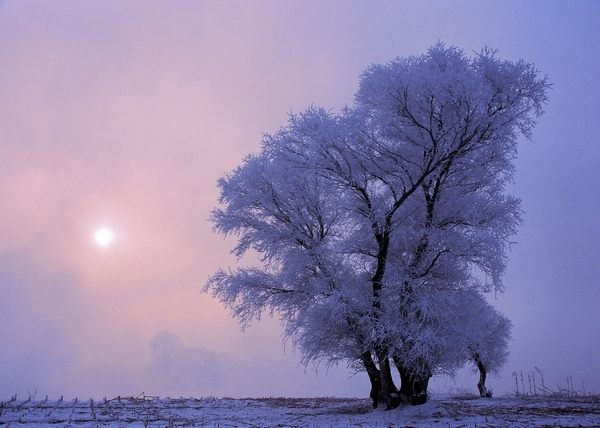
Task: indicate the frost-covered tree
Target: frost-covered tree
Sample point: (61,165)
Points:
(487,333)
(377,227)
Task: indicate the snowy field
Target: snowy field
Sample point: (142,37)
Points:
(442,411)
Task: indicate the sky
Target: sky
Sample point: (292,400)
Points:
(123,115)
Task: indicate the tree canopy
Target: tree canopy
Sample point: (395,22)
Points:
(379,228)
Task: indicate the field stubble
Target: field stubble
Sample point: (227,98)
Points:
(442,411)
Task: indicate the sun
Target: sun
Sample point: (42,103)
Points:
(104,237)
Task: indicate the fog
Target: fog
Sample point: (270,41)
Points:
(123,114)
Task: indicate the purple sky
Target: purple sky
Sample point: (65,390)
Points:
(123,114)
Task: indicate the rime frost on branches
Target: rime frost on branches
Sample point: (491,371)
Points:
(380,228)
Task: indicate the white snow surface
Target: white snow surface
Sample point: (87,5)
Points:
(444,411)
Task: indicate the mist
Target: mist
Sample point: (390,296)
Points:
(123,114)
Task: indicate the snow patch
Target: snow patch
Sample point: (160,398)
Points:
(431,409)
(147,412)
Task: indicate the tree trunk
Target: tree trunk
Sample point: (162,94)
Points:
(419,390)
(405,384)
(388,394)
(374,377)
(413,388)
(483,391)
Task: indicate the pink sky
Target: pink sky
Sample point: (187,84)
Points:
(123,114)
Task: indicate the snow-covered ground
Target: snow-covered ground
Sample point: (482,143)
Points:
(442,411)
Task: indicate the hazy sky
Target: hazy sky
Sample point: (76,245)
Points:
(123,114)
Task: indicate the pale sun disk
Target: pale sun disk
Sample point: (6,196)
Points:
(104,237)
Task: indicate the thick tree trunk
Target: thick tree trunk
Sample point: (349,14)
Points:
(374,377)
(388,394)
(419,390)
(405,384)
(483,391)
(413,388)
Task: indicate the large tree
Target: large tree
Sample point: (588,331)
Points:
(377,227)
